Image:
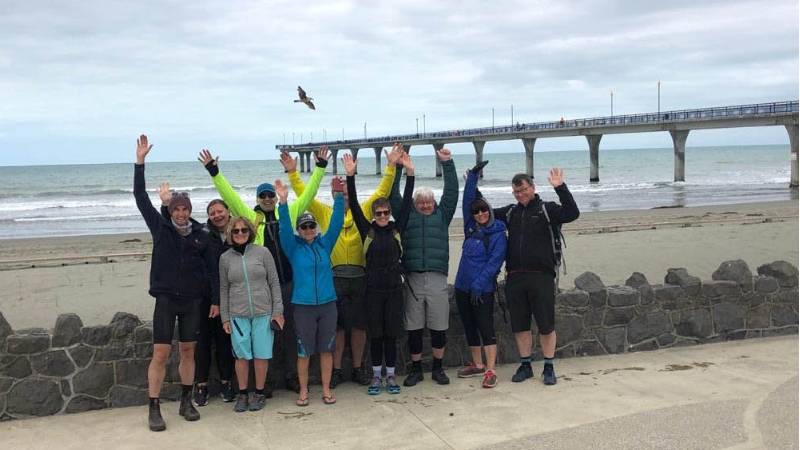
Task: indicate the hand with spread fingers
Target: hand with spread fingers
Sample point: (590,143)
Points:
(322,154)
(208,161)
(289,164)
(164,193)
(397,152)
(349,164)
(556,177)
(282,190)
(142,149)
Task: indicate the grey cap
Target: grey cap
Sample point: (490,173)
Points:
(305,218)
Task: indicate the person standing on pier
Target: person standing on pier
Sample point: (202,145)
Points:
(183,269)
(426,254)
(348,263)
(531,265)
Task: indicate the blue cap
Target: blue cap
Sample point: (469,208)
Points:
(264,187)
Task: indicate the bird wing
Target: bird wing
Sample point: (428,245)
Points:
(301,93)
(311,105)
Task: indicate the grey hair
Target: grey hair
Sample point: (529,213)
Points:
(423,193)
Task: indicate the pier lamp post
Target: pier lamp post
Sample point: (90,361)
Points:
(312,136)
(512,115)
(301,138)
(292,137)
(417,119)
(659,99)
(492,119)
(284,138)
(423,125)
(365,130)
(342,133)
(324,135)
(612,103)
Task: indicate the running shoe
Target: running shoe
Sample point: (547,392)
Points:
(242,403)
(489,379)
(257,402)
(226,392)
(200,395)
(439,376)
(470,370)
(414,376)
(375,387)
(391,385)
(524,371)
(549,375)
(336,378)
(360,376)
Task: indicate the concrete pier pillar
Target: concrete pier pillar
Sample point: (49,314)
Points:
(479,152)
(436,148)
(679,146)
(334,155)
(310,161)
(529,143)
(354,152)
(378,151)
(594,157)
(793,142)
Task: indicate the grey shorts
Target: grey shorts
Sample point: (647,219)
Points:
(315,326)
(429,304)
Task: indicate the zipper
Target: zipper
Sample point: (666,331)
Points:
(316,258)
(424,241)
(247,283)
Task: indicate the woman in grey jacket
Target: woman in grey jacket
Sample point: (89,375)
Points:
(250,298)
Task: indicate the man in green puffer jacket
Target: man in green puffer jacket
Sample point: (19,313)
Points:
(426,254)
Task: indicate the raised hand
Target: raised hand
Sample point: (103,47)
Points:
(289,164)
(142,149)
(405,160)
(556,177)
(394,156)
(205,158)
(282,190)
(322,154)
(164,193)
(349,164)
(444,154)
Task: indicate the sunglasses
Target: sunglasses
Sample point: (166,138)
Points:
(266,194)
(480,209)
(240,231)
(383,213)
(308,226)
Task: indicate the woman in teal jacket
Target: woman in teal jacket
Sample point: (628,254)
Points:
(313,296)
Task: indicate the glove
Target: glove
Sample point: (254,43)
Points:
(212,168)
(478,167)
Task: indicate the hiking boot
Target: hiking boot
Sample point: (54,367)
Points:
(200,395)
(375,387)
(226,392)
(391,385)
(549,375)
(336,378)
(489,379)
(470,370)
(257,402)
(154,419)
(524,371)
(439,376)
(360,376)
(293,384)
(414,376)
(241,403)
(187,410)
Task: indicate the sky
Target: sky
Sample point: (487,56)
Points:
(79,81)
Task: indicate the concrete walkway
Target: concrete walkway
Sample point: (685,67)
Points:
(741,394)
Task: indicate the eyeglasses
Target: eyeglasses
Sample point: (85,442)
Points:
(480,209)
(266,194)
(308,226)
(240,231)
(383,213)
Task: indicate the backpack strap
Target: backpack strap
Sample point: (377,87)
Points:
(560,262)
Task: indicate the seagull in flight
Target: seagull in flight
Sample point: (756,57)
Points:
(304,98)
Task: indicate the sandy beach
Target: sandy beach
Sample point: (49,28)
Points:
(96,276)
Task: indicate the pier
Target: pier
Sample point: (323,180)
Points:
(677,123)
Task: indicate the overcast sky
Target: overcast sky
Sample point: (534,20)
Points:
(80,80)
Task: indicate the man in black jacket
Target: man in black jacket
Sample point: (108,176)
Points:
(183,267)
(531,266)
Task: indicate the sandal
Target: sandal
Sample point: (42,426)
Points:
(302,401)
(328,399)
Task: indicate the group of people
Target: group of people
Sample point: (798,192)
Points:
(292,279)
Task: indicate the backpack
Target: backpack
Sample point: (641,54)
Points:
(556,239)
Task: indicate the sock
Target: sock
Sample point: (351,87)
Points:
(187,390)
(154,402)
(437,363)
(260,391)
(376,371)
(417,365)
(548,361)
(243,391)
(390,371)
(525,360)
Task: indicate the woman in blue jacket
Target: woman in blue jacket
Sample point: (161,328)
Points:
(482,255)
(313,296)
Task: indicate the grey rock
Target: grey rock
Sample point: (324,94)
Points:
(82,355)
(668,293)
(646,294)
(766,285)
(23,344)
(735,335)
(783,315)
(593,317)
(573,298)
(66,390)
(644,347)
(783,331)
(589,348)
(127,396)
(694,323)
(172,391)
(728,317)
(758,317)
(786,296)
(114,352)
(67,330)
(53,363)
(613,339)
(34,396)
(753,334)
(618,316)
(97,335)
(565,352)
(592,284)
(568,328)
(143,333)
(146,350)
(716,289)
(622,296)
(784,272)
(82,403)
(123,324)
(736,270)
(14,366)
(754,298)
(682,278)
(95,380)
(5,329)
(5,385)
(665,340)
(647,326)
(637,280)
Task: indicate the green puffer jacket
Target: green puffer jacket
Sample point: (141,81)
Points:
(426,244)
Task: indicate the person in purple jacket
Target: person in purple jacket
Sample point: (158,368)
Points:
(482,255)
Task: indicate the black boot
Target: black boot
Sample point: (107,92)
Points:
(187,410)
(154,420)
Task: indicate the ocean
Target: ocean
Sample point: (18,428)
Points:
(68,200)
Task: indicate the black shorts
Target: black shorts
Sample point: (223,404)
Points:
(350,303)
(531,293)
(384,312)
(169,308)
(315,326)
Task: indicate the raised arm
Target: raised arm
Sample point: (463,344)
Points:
(352,196)
(151,216)
(449,199)
(567,211)
(401,219)
(470,193)
(387,182)
(306,193)
(337,220)
(285,227)
(235,203)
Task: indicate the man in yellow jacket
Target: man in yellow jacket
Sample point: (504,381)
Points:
(348,264)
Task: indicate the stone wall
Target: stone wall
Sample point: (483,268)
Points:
(75,368)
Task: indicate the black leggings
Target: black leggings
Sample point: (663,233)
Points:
(438,340)
(478,319)
(383,347)
(211,331)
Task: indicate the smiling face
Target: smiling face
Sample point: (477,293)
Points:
(240,232)
(266,200)
(524,192)
(180,214)
(308,231)
(219,216)
(481,214)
